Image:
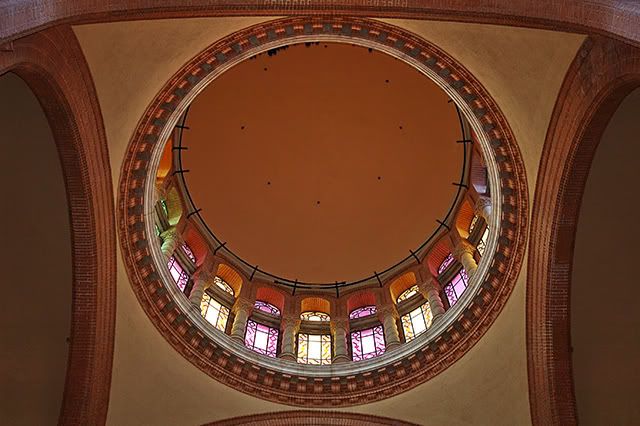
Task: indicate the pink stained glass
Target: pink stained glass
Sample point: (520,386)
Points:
(366,344)
(187,250)
(445,263)
(362,312)
(178,274)
(261,338)
(456,287)
(266,307)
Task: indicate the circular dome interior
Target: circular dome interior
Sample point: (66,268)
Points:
(322,162)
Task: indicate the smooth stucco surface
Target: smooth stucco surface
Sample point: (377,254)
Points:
(36,255)
(153,384)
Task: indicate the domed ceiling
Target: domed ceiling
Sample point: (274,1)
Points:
(322,162)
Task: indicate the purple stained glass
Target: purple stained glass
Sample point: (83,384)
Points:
(364,311)
(261,338)
(456,287)
(445,263)
(187,250)
(366,344)
(266,307)
(179,275)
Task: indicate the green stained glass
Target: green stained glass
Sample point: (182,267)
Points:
(214,312)
(417,321)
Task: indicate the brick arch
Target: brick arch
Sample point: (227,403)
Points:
(586,102)
(438,253)
(315,304)
(271,295)
(401,283)
(53,66)
(464,218)
(360,299)
(231,277)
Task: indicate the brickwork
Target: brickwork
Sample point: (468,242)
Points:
(52,64)
(302,390)
(602,74)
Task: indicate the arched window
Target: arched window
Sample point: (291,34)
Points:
(407,293)
(180,276)
(482,244)
(214,312)
(367,343)
(223,285)
(417,321)
(314,316)
(261,338)
(364,311)
(266,307)
(314,349)
(187,250)
(456,287)
(445,263)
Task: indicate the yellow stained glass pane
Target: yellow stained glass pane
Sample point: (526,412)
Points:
(204,305)
(223,316)
(407,293)
(426,312)
(302,348)
(407,327)
(326,349)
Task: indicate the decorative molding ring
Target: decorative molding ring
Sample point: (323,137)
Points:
(586,102)
(52,64)
(308,417)
(304,389)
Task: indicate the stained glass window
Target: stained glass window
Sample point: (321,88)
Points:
(456,287)
(314,349)
(364,311)
(445,263)
(188,252)
(158,232)
(261,338)
(407,293)
(223,285)
(473,224)
(180,276)
(314,316)
(165,209)
(367,343)
(482,244)
(266,307)
(214,312)
(417,321)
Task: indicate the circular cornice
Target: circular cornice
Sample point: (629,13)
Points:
(413,364)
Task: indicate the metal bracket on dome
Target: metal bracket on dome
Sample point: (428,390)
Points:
(219,247)
(182,126)
(180,171)
(337,290)
(196,211)
(378,278)
(462,185)
(414,256)
(295,285)
(255,268)
(444,224)
(179,148)
(465,141)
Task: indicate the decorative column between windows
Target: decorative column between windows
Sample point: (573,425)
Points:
(464,253)
(483,208)
(202,280)
(242,309)
(430,290)
(388,315)
(339,328)
(170,241)
(290,327)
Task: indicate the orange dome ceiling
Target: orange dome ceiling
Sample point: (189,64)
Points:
(323,162)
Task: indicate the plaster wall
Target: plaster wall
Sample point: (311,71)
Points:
(36,254)
(605,321)
(153,384)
